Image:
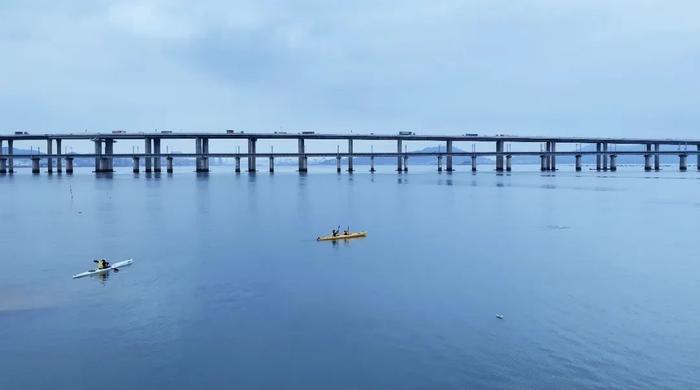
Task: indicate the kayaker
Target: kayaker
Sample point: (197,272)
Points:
(102,264)
(335,232)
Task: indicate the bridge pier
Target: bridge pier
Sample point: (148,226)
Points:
(147,161)
(10,153)
(578,163)
(647,158)
(337,164)
(302,152)
(683,162)
(169,164)
(439,163)
(399,161)
(350,152)
(371,164)
(59,165)
(49,159)
(553,158)
(449,156)
(543,162)
(508,162)
(598,159)
(405,163)
(272,164)
(205,160)
(605,156)
(499,156)
(3,164)
(135,161)
(69,165)
(98,155)
(238,164)
(613,163)
(697,156)
(657,162)
(548,160)
(108,165)
(35,165)
(473,162)
(156,151)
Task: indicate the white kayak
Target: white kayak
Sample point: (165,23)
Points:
(101,271)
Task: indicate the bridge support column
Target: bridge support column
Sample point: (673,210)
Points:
(350,151)
(49,159)
(613,163)
(499,156)
(399,160)
(371,164)
(598,157)
(543,162)
(156,151)
(473,163)
(108,160)
(683,162)
(35,165)
(647,158)
(337,164)
(205,157)
(169,162)
(238,164)
(578,163)
(553,157)
(3,165)
(548,160)
(657,163)
(98,155)
(135,161)
(439,158)
(69,165)
(147,149)
(405,163)
(697,161)
(251,158)
(508,163)
(59,163)
(10,153)
(272,164)
(605,156)
(302,152)
(449,156)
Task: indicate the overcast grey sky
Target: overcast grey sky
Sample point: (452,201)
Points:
(617,68)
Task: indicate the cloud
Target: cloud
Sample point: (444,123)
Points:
(529,67)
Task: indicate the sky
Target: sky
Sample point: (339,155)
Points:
(527,67)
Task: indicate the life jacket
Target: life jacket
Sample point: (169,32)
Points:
(102,264)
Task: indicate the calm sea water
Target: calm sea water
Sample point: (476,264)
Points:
(597,277)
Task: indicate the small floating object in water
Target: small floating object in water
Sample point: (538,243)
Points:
(499,316)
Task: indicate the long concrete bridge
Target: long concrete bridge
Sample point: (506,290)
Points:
(606,157)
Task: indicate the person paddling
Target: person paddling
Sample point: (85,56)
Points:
(102,264)
(336,231)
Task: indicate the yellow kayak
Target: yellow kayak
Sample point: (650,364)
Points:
(342,236)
